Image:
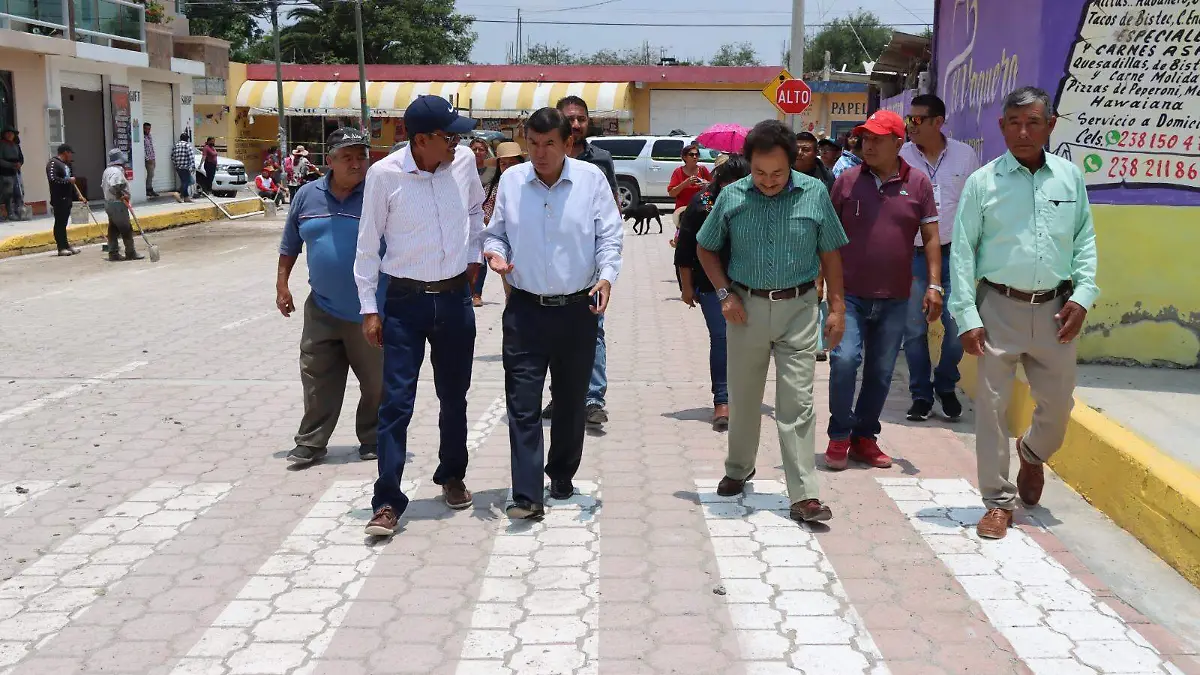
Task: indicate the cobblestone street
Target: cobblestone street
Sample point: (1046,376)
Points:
(149,523)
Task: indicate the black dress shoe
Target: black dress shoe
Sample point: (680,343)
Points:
(561,488)
(304,454)
(731,487)
(523,509)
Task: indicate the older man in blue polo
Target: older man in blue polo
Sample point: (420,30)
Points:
(323,220)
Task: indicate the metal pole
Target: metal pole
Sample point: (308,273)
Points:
(362,70)
(796,62)
(278,79)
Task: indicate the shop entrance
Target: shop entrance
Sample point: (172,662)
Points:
(85,135)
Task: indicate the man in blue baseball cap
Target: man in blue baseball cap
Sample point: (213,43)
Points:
(425,204)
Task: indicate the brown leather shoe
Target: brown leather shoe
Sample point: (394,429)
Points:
(721,416)
(731,487)
(994,524)
(457,495)
(384,523)
(810,511)
(1031,478)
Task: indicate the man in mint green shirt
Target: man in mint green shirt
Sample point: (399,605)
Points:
(1023,270)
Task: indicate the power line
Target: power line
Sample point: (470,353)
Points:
(570,9)
(670,24)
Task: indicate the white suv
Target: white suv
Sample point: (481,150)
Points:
(644,164)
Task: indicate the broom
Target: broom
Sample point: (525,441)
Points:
(151,249)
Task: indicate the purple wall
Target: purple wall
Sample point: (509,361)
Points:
(899,103)
(986,48)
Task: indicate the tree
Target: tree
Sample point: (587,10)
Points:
(394,31)
(849,41)
(236,21)
(549,55)
(739,54)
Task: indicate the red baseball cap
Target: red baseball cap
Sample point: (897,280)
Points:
(882,123)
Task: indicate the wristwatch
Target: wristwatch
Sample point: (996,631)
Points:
(722,293)
(941,291)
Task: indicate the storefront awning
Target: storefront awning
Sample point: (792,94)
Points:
(478,99)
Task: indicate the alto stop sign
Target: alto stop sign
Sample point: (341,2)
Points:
(793,97)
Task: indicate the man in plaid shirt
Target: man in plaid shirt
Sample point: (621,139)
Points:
(148,144)
(183,157)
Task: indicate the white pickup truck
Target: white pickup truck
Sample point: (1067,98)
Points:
(644,164)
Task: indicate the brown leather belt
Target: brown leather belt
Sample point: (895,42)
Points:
(455,283)
(778,294)
(1034,298)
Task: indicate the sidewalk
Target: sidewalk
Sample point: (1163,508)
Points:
(1155,403)
(17,238)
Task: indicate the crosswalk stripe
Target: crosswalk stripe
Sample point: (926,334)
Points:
(67,392)
(1054,622)
(41,599)
(540,594)
(788,607)
(19,493)
(286,615)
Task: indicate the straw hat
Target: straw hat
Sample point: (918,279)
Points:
(509,149)
(301,151)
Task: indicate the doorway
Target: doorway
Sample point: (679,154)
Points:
(85,134)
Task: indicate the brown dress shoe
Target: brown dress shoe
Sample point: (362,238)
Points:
(994,524)
(730,487)
(1031,478)
(810,511)
(457,495)
(721,416)
(384,523)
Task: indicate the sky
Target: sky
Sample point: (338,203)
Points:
(696,42)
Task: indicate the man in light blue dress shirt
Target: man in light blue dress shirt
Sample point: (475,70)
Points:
(556,236)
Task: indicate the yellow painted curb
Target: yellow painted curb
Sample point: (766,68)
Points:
(162,220)
(1150,494)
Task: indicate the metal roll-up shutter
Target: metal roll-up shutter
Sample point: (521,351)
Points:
(81,81)
(158,108)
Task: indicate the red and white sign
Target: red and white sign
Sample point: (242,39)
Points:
(793,96)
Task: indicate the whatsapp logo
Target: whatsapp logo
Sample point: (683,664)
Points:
(1113,137)
(1092,163)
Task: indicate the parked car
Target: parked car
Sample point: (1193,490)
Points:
(231,175)
(644,164)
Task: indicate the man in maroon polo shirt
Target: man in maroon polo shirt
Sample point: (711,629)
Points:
(882,203)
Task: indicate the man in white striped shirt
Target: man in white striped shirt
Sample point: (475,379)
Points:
(425,204)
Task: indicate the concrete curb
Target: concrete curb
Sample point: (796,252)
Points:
(163,220)
(1150,494)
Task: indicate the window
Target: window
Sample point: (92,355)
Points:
(621,148)
(667,151)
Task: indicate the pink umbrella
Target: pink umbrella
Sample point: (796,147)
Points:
(724,137)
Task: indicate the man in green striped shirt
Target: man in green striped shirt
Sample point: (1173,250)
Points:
(1023,270)
(781,229)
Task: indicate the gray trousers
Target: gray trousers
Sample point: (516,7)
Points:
(1018,332)
(786,331)
(119,227)
(329,347)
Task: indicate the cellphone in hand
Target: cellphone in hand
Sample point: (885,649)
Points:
(595,300)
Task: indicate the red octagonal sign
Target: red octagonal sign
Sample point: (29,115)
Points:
(793,96)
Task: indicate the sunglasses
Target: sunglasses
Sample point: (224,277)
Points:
(691,154)
(451,139)
(916,120)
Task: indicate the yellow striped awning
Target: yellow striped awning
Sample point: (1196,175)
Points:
(477,99)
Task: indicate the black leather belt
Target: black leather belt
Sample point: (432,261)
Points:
(555,300)
(456,283)
(1034,298)
(778,294)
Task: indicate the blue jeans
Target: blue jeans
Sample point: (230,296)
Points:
(185,183)
(916,340)
(598,386)
(874,330)
(410,319)
(718,363)
(477,287)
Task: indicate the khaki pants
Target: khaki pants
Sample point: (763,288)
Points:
(1018,332)
(329,347)
(787,330)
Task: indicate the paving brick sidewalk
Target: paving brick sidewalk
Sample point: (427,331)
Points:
(161,532)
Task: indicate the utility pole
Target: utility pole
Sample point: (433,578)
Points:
(279,103)
(796,62)
(362,71)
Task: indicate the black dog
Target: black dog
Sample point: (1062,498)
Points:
(641,214)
